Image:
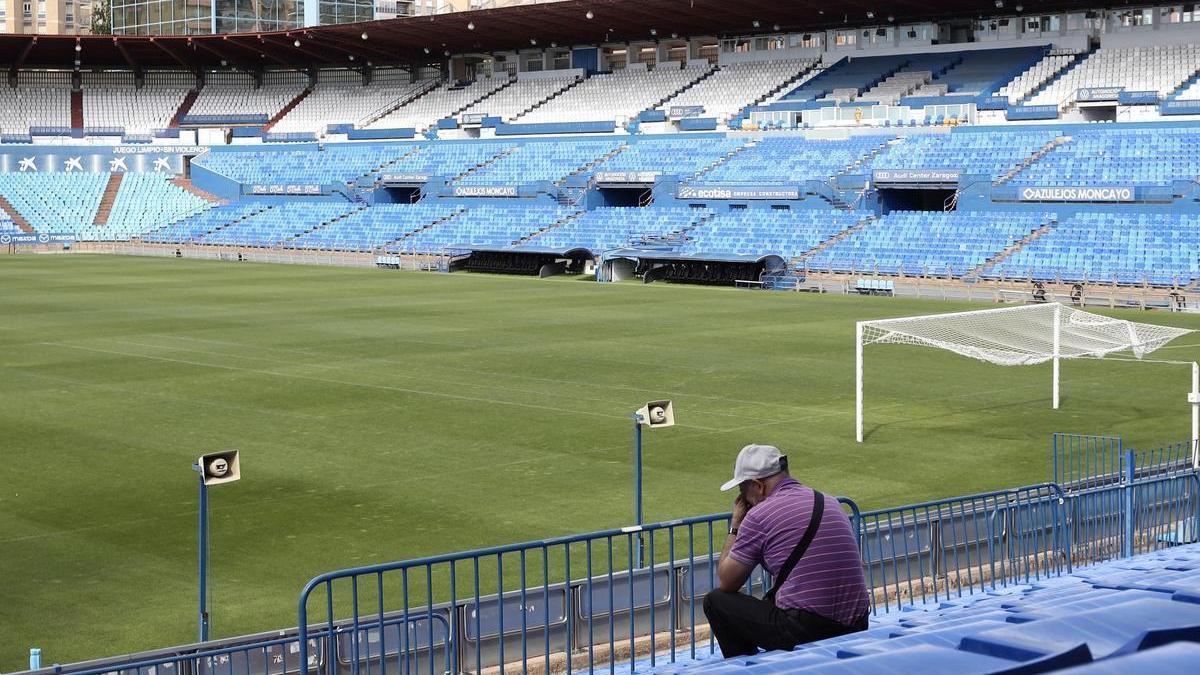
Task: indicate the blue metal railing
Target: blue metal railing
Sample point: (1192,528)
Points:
(583,602)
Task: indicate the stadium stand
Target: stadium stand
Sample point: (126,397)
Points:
(794,160)
(1035,76)
(620,95)
(1133,615)
(917,72)
(1160,68)
(144,202)
(236,94)
(370,229)
(846,79)
(55,202)
(672,156)
(972,153)
(523,95)
(1123,248)
(485,226)
(977,72)
(272,226)
(38,100)
(193,227)
(1137,157)
(931,244)
(734,86)
(537,162)
(447,159)
(113,100)
(612,227)
(787,233)
(441,102)
(340,97)
(333,164)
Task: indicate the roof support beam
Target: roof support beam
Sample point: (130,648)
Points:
(191,67)
(125,53)
(24,54)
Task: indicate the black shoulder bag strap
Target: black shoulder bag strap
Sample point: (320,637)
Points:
(814,524)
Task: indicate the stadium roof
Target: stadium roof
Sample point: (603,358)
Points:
(406,39)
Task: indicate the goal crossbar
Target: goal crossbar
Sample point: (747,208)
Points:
(1016,336)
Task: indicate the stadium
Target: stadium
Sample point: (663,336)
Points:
(341,338)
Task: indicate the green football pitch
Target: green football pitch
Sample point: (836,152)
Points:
(387,415)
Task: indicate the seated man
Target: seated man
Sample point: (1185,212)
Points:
(819,590)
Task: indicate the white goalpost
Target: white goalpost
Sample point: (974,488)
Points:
(1020,336)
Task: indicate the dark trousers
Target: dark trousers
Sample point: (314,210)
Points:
(742,624)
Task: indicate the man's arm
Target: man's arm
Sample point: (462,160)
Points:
(731,573)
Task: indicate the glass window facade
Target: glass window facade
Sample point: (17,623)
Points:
(199,17)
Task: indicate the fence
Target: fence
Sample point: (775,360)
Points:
(584,602)
(1081,462)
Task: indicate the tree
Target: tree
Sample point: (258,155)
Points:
(101,17)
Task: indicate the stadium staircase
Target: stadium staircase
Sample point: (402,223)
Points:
(376,171)
(1134,615)
(707,74)
(14,216)
(1071,65)
(592,165)
(427,226)
(108,198)
(184,108)
(458,111)
(265,207)
(187,185)
(559,223)
(728,156)
(570,85)
(1040,153)
(324,223)
(791,82)
(408,97)
(878,150)
(799,261)
(495,158)
(287,109)
(76,109)
(975,274)
(1184,86)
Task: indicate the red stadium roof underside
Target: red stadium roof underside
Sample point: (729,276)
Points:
(405,40)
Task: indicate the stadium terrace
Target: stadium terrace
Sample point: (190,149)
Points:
(974,151)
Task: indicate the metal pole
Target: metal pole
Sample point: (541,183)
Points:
(202,538)
(1195,399)
(858,382)
(637,483)
(1057,348)
(1127,544)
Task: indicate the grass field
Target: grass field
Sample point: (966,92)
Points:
(386,415)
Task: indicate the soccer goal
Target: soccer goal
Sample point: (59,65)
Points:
(1022,336)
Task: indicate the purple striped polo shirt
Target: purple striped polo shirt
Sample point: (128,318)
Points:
(828,580)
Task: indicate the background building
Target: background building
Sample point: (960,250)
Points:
(45,17)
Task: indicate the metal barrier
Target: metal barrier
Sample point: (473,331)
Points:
(944,548)
(583,603)
(1076,458)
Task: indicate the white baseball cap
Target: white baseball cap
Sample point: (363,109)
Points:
(755,462)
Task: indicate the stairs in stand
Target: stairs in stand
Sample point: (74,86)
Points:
(325,223)
(728,156)
(186,184)
(14,216)
(419,90)
(560,92)
(501,155)
(110,196)
(551,226)
(423,228)
(1040,153)
(76,109)
(798,261)
(286,109)
(1008,252)
(184,108)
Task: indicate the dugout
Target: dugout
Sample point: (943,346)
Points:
(651,265)
(529,262)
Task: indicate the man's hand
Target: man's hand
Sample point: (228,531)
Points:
(740,508)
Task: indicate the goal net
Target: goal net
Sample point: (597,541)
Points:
(1014,336)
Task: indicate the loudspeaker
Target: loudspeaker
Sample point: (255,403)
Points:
(657,415)
(220,467)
